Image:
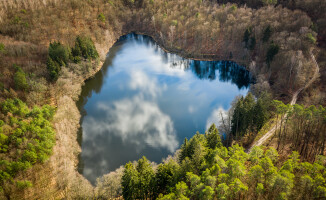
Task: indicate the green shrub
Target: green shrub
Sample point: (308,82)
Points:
(76,59)
(2,87)
(29,156)
(58,56)
(174,23)
(16,20)
(59,53)
(23,184)
(3,139)
(20,80)
(54,68)
(14,106)
(101,17)
(311,38)
(84,47)
(29,139)
(2,48)
(273,49)
(246,36)
(267,33)
(233,7)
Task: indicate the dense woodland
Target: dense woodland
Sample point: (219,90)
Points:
(205,169)
(26,138)
(49,47)
(274,46)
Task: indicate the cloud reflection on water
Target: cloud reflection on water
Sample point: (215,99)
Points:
(216,117)
(146,101)
(136,121)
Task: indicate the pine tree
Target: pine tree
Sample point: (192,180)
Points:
(53,68)
(130,182)
(267,33)
(213,137)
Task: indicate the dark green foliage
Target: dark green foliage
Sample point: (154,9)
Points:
(54,69)
(145,179)
(2,87)
(28,136)
(20,79)
(129,182)
(213,137)
(246,36)
(58,57)
(188,148)
(225,174)
(166,176)
(84,47)
(138,182)
(2,48)
(59,53)
(250,115)
(273,49)
(314,27)
(252,44)
(262,110)
(242,116)
(249,39)
(267,33)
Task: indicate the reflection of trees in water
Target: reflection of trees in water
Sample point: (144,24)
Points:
(227,72)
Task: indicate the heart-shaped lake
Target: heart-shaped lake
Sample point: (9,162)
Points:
(144,102)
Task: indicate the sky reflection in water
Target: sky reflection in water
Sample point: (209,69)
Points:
(145,102)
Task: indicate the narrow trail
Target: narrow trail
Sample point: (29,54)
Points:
(263,139)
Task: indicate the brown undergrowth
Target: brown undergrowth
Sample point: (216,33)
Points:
(191,29)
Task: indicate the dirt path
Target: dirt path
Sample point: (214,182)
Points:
(293,101)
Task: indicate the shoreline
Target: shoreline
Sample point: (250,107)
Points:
(64,160)
(91,75)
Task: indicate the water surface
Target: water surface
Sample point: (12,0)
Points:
(145,101)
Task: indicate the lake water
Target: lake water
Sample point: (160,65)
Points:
(144,102)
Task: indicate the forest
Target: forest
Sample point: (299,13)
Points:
(205,169)
(48,48)
(26,138)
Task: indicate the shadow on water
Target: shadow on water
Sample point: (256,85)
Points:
(144,101)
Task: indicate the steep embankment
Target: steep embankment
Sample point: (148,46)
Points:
(294,99)
(192,29)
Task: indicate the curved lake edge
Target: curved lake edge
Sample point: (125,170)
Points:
(191,56)
(171,50)
(133,34)
(69,138)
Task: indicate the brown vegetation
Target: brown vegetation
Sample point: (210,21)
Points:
(190,28)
